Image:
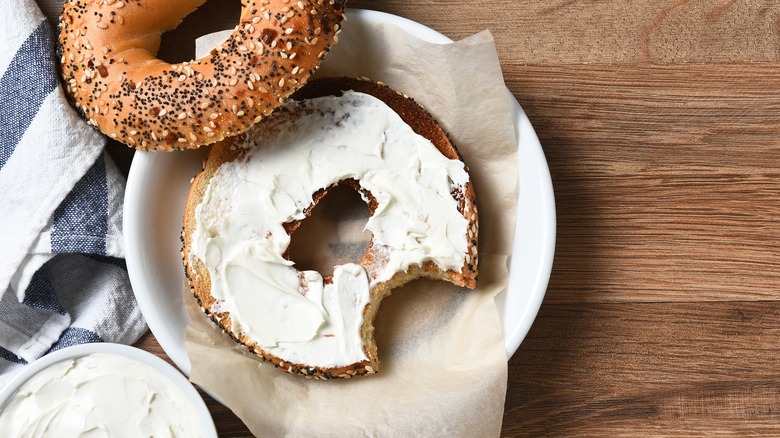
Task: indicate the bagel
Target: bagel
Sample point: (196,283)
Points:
(256,189)
(107,51)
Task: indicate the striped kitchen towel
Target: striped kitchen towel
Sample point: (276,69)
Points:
(62,277)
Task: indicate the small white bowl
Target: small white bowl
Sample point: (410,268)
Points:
(206,422)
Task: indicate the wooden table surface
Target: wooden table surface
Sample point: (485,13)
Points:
(660,122)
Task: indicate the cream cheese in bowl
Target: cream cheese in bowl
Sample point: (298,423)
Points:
(102,390)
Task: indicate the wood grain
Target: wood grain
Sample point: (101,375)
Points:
(537,32)
(666,179)
(660,122)
(668,369)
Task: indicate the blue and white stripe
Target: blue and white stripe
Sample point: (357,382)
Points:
(62,277)
(29,78)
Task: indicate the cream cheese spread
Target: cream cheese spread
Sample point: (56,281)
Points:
(99,395)
(241,239)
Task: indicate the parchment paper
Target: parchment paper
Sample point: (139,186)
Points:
(443,362)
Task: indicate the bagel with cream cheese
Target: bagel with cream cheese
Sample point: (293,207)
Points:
(256,189)
(107,51)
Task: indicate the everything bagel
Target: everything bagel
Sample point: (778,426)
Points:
(107,50)
(256,189)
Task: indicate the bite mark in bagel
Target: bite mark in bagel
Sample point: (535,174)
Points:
(231,242)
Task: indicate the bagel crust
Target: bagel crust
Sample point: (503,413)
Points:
(107,50)
(372,261)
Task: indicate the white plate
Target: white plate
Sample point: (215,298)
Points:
(157,190)
(206,422)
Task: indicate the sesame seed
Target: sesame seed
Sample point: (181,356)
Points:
(240,113)
(163,112)
(182,140)
(207,129)
(182,78)
(249,85)
(182,115)
(281,82)
(120,20)
(120,4)
(233,81)
(101,25)
(193,136)
(204,105)
(288,31)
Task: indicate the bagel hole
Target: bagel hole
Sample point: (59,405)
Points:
(333,234)
(178,45)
